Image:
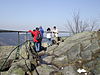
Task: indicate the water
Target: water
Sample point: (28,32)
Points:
(11,38)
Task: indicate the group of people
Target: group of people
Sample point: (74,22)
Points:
(52,35)
(38,35)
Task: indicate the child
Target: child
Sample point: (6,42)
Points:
(49,36)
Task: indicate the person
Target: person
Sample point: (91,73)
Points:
(36,42)
(55,34)
(49,36)
(42,35)
(41,31)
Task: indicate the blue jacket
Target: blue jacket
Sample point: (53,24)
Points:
(41,31)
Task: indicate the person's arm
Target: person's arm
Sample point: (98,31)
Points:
(30,31)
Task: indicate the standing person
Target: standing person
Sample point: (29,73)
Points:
(49,36)
(41,31)
(35,40)
(55,34)
(42,35)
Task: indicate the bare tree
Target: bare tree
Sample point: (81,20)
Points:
(79,25)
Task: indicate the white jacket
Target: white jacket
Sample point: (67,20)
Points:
(55,32)
(49,34)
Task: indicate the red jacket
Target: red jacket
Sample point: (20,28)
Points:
(35,33)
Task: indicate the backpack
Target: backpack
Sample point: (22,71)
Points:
(32,35)
(39,37)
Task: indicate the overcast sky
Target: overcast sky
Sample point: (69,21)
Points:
(28,14)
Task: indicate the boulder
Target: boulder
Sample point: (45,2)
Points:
(69,70)
(60,61)
(43,70)
(48,59)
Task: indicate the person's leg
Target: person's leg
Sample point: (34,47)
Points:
(38,46)
(55,40)
(47,41)
(34,46)
(50,41)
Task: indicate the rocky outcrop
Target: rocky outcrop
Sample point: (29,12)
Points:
(77,55)
(82,47)
(5,50)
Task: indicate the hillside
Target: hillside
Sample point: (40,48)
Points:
(80,52)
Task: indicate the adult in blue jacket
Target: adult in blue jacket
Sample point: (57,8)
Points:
(41,31)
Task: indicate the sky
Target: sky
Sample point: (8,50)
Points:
(28,14)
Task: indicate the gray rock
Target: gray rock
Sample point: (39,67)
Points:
(48,59)
(74,53)
(5,65)
(18,68)
(24,64)
(43,70)
(60,61)
(51,49)
(69,70)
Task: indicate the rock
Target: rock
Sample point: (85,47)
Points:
(5,50)
(23,52)
(24,64)
(96,70)
(4,73)
(60,61)
(80,51)
(18,68)
(43,70)
(51,49)
(16,71)
(56,73)
(62,49)
(69,70)
(48,59)
(74,53)
(87,55)
(5,65)
(96,66)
